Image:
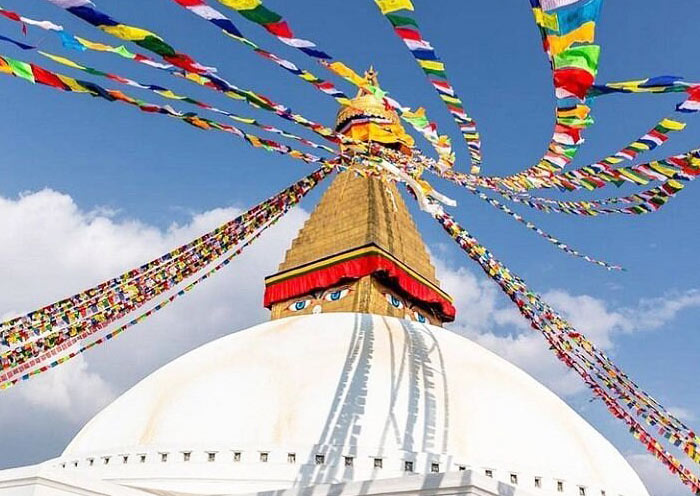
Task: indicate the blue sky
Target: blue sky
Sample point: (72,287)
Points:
(136,169)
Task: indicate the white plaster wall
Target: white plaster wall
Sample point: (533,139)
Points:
(346,385)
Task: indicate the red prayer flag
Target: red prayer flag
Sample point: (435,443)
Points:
(280,29)
(573,80)
(48,78)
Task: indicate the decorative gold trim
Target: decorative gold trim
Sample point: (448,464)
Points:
(364,250)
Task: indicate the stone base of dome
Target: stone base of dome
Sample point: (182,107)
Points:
(47,480)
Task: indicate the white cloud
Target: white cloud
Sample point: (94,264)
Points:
(52,248)
(486,316)
(658,480)
(70,390)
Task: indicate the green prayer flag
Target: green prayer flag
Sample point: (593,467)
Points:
(582,57)
(398,21)
(21,69)
(122,50)
(261,15)
(155,44)
(435,72)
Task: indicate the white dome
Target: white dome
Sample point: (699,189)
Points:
(322,398)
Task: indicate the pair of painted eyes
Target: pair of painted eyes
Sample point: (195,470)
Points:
(336,295)
(397,303)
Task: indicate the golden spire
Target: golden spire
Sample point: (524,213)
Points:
(360,251)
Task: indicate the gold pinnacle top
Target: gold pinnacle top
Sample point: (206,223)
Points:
(367,107)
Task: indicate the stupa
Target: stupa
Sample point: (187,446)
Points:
(353,388)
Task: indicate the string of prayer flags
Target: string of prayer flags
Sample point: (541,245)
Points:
(36,74)
(575,344)
(591,176)
(210,81)
(201,9)
(406,27)
(170,94)
(673,171)
(657,84)
(47,340)
(644,202)
(574,60)
(556,242)
(574,350)
(73,42)
(255,11)
(84,10)
(193,70)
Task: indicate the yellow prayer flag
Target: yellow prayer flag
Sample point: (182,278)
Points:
(94,46)
(346,73)
(580,111)
(388,6)
(196,78)
(449,99)
(638,145)
(549,21)
(62,60)
(72,83)
(130,33)
(241,4)
(629,85)
(672,125)
(432,64)
(583,34)
(234,95)
(662,169)
(170,94)
(307,76)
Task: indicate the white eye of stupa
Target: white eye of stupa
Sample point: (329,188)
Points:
(299,305)
(419,317)
(337,294)
(393,301)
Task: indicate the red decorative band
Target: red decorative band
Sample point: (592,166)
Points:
(352,269)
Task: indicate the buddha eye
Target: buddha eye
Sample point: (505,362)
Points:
(299,305)
(419,317)
(336,295)
(394,301)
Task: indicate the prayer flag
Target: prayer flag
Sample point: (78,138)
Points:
(388,6)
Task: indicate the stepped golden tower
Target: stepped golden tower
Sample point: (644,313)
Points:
(360,251)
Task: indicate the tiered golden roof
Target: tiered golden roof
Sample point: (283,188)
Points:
(360,250)
(367,118)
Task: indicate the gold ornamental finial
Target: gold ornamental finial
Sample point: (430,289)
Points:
(371,76)
(369,118)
